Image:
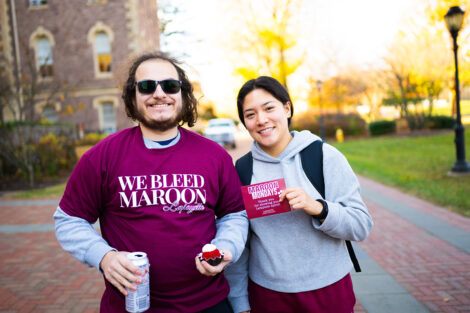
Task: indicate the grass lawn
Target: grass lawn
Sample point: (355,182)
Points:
(416,165)
(54,191)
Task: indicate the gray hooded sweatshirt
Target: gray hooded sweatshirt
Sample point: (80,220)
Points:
(293,252)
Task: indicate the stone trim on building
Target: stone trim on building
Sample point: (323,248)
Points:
(99,2)
(97,104)
(6,41)
(132,26)
(81,92)
(39,32)
(39,106)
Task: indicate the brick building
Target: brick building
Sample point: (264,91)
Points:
(72,50)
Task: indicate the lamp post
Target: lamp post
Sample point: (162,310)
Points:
(454,19)
(322,121)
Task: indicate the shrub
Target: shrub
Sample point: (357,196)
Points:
(51,157)
(351,124)
(91,139)
(382,127)
(416,120)
(55,155)
(441,122)
(35,152)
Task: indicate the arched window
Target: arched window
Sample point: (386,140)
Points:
(106,109)
(50,114)
(103,52)
(109,117)
(37,3)
(44,56)
(100,37)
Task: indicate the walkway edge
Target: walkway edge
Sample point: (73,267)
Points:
(378,292)
(438,228)
(28,202)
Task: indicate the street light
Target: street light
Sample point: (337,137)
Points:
(322,121)
(454,19)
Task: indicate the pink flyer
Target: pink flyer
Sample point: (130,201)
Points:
(263,199)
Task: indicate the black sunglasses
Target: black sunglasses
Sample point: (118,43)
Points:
(147,87)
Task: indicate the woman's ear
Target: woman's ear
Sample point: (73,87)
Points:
(287,106)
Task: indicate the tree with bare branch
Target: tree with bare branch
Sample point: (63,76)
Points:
(19,99)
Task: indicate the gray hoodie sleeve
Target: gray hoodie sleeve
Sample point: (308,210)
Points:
(232,231)
(237,276)
(348,217)
(79,238)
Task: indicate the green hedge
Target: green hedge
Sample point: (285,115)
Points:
(351,124)
(441,122)
(382,127)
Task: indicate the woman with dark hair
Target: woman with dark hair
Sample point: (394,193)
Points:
(295,261)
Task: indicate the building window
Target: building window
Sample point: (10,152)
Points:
(109,117)
(50,114)
(44,56)
(37,3)
(103,52)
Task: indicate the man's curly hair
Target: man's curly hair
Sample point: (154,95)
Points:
(189,114)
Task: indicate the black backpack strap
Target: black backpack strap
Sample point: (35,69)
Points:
(312,163)
(352,255)
(244,167)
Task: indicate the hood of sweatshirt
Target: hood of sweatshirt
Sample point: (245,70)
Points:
(299,141)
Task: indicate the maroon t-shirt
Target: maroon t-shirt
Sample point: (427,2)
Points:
(162,202)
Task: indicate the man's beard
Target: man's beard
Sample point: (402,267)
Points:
(159,125)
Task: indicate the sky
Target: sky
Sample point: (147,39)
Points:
(334,33)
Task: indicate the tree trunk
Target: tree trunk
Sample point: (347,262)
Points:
(431,105)
(31,174)
(404,104)
(282,69)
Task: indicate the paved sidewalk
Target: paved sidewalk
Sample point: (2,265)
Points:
(417,259)
(36,275)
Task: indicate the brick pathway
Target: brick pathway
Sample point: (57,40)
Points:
(435,272)
(38,276)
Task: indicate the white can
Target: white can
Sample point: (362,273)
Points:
(139,300)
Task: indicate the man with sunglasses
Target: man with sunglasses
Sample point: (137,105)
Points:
(160,189)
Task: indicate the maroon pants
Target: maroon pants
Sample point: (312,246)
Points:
(335,298)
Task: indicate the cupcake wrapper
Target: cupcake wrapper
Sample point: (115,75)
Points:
(213,262)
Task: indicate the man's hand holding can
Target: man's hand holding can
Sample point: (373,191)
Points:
(120,271)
